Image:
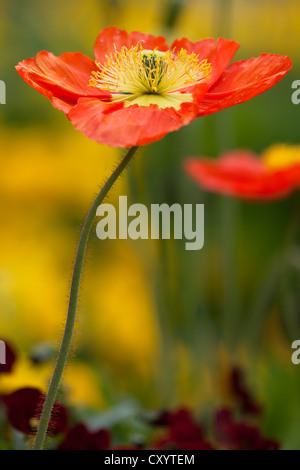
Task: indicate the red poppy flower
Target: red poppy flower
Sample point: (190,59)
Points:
(243,174)
(80,438)
(24,408)
(139,88)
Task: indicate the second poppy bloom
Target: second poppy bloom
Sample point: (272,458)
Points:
(139,89)
(245,175)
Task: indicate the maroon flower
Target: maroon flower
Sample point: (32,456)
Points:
(241,394)
(23,409)
(183,433)
(232,435)
(80,438)
(10,358)
(124,447)
(165,417)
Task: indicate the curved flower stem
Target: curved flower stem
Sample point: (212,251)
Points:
(67,337)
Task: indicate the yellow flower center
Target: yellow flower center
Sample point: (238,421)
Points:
(281,156)
(144,77)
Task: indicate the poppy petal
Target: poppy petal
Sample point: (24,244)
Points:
(62,79)
(243,80)
(239,174)
(114,125)
(218,54)
(111,39)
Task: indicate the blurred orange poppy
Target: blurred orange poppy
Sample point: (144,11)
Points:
(139,89)
(243,174)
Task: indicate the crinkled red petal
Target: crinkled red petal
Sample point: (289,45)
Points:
(111,39)
(243,80)
(62,79)
(118,126)
(218,53)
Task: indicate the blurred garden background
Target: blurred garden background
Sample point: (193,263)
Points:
(158,326)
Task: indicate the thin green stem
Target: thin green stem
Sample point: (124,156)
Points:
(67,337)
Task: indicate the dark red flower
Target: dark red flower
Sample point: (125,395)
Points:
(139,89)
(232,435)
(126,448)
(80,438)
(241,394)
(183,433)
(163,418)
(243,174)
(10,358)
(24,408)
